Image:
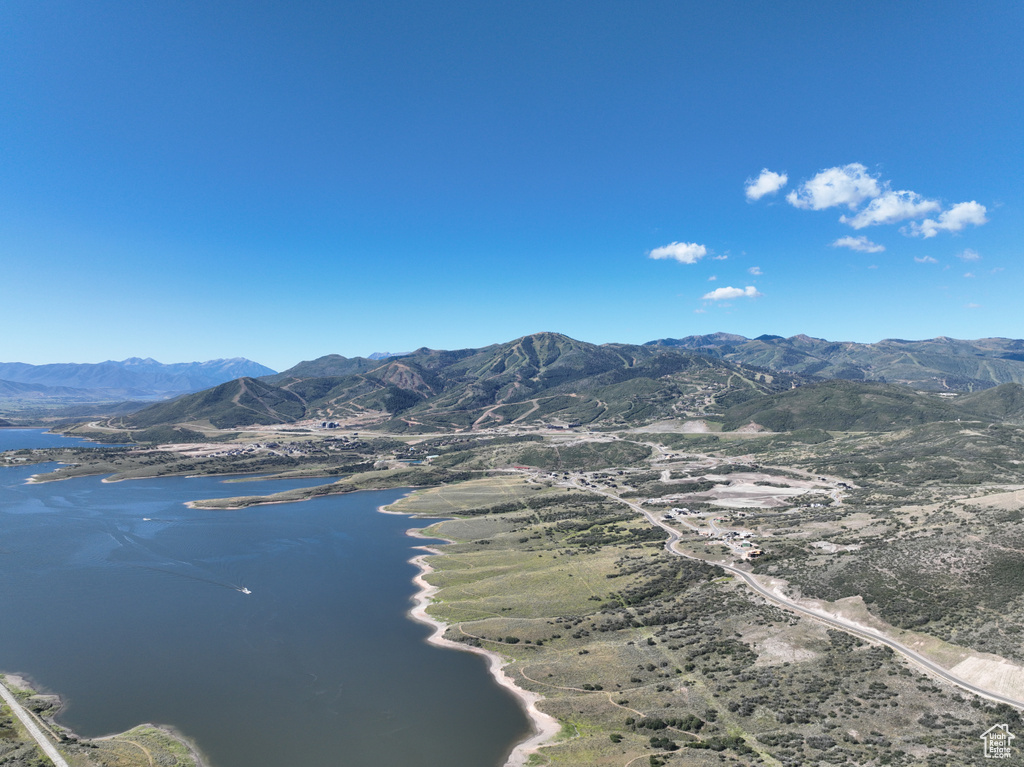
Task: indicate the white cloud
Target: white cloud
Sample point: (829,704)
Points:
(968,274)
(891,207)
(700,311)
(862,244)
(849,185)
(724,294)
(852,185)
(683,252)
(969,255)
(952,220)
(767,183)
(712,278)
(972,306)
(755,270)
(925,260)
(719,258)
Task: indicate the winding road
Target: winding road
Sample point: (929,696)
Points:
(848,626)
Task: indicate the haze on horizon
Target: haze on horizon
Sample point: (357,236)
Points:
(281,182)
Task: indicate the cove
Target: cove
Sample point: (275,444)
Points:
(129,605)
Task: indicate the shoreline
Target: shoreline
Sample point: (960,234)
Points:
(22,682)
(243,507)
(544,726)
(171,732)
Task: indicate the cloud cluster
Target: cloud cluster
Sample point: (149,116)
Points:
(872,201)
(849,185)
(765,184)
(724,294)
(869,200)
(952,220)
(683,252)
(890,207)
(691,253)
(861,244)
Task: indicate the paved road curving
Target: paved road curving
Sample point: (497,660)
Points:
(847,626)
(32,727)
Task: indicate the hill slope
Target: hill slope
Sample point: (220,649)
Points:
(551,378)
(843,406)
(242,402)
(540,377)
(940,364)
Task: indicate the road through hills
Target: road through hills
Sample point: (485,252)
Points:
(772,596)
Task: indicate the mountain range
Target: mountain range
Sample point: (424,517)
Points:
(544,376)
(133,378)
(768,382)
(938,364)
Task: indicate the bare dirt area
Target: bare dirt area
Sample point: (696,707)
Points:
(749,496)
(674,427)
(1006,501)
(992,673)
(985,670)
(192,449)
(773,649)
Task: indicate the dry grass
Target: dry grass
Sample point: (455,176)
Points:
(451,499)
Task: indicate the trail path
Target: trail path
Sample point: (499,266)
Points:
(32,727)
(145,750)
(536,406)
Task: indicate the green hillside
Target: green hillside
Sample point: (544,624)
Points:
(842,406)
(940,364)
(331,365)
(1003,403)
(544,377)
(242,402)
(551,378)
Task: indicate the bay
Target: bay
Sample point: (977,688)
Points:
(131,606)
(34,439)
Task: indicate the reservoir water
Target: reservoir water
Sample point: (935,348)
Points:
(129,605)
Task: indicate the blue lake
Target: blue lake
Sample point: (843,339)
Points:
(18,439)
(129,605)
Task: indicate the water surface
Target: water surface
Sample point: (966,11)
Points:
(18,439)
(129,604)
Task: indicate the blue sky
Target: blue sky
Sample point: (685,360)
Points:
(285,180)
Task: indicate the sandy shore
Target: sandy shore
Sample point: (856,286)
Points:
(545,727)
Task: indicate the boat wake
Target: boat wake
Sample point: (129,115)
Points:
(175,567)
